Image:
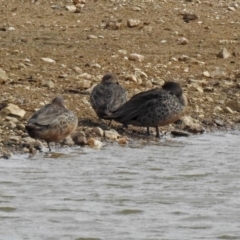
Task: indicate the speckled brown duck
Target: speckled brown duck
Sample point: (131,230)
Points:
(107,96)
(52,123)
(153,108)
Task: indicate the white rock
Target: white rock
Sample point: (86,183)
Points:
(71,8)
(11,29)
(85,75)
(229,110)
(79,138)
(48,60)
(84,84)
(15,138)
(98,131)
(94,143)
(78,69)
(92,36)
(234,104)
(182,41)
(3,75)
(133,22)
(13,110)
(223,54)
(206,74)
(136,57)
(111,134)
(29,140)
(192,125)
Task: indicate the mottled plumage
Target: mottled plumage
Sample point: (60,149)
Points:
(153,108)
(52,123)
(107,96)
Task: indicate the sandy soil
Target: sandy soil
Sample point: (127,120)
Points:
(97,38)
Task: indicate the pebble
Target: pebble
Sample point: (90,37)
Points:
(13,110)
(79,138)
(91,36)
(71,8)
(94,143)
(133,23)
(223,54)
(84,84)
(3,76)
(234,104)
(182,41)
(122,141)
(191,125)
(48,60)
(111,134)
(136,57)
(98,131)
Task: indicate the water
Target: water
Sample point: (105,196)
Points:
(188,188)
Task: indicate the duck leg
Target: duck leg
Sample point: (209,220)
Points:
(48,143)
(157,132)
(148,131)
(110,123)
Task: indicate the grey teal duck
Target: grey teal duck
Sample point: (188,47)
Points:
(52,123)
(153,108)
(107,96)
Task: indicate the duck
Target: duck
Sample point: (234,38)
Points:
(153,108)
(52,123)
(107,96)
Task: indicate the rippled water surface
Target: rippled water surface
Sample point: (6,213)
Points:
(188,188)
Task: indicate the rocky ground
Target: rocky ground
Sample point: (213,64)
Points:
(63,47)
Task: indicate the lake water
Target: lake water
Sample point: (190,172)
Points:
(187,188)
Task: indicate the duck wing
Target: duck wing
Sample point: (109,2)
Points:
(47,115)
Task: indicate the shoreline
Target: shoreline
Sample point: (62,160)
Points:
(49,50)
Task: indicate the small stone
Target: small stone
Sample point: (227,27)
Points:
(85,75)
(71,8)
(29,140)
(48,60)
(197,87)
(13,110)
(206,74)
(132,78)
(95,65)
(122,141)
(217,109)
(219,122)
(11,29)
(68,141)
(231,8)
(218,72)
(98,131)
(111,134)
(49,84)
(94,143)
(223,54)
(78,69)
(182,41)
(229,110)
(136,57)
(3,76)
(133,23)
(234,105)
(191,125)
(15,138)
(84,84)
(91,36)
(79,138)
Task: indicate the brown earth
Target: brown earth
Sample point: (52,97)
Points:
(96,39)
